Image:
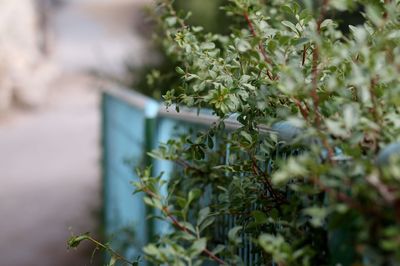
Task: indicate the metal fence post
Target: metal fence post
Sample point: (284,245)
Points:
(151,111)
(104,153)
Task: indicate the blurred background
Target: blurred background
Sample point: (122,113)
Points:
(55,56)
(49,119)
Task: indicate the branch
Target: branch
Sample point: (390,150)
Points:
(181,227)
(342,197)
(314,68)
(385,192)
(108,248)
(186,230)
(260,46)
(303,110)
(187,165)
(385,14)
(303,59)
(374,109)
(259,172)
(172,11)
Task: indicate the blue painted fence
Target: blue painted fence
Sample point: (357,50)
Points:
(132,125)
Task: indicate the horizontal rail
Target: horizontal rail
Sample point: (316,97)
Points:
(126,95)
(185,114)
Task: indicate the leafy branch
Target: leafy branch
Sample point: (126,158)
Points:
(74,242)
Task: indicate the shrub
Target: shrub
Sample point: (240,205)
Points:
(312,175)
(155,78)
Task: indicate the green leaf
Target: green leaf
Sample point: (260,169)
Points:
(317,215)
(287,9)
(259,217)
(197,28)
(206,223)
(234,236)
(203,214)
(301,41)
(242,45)
(171,21)
(207,46)
(246,136)
(276,246)
(290,25)
(218,249)
(341,5)
(327,23)
(74,241)
(112,261)
(194,194)
(179,70)
(151,250)
(197,247)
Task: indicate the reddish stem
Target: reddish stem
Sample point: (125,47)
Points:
(385,14)
(186,230)
(314,93)
(340,196)
(260,46)
(303,110)
(182,227)
(258,171)
(314,69)
(303,60)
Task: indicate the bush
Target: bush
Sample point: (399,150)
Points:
(312,176)
(155,78)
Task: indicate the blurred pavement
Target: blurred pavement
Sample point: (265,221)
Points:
(49,157)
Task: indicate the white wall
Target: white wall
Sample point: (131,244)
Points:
(23,70)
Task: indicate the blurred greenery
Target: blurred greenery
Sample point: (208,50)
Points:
(155,78)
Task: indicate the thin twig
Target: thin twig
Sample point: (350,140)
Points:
(260,46)
(385,14)
(172,11)
(314,68)
(187,165)
(181,227)
(374,109)
(340,196)
(303,60)
(303,110)
(259,172)
(315,77)
(109,249)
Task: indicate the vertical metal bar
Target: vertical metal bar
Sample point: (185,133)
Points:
(151,110)
(104,167)
(149,135)
(104,125)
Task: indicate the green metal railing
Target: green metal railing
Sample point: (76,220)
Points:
(132,126)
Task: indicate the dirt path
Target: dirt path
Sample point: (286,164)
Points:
(49,158)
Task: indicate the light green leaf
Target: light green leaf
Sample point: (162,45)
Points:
(290,25)
(112,261)
(233,235)
(207,46)
(197,247)
(171,21)
(242,45)
(203,214)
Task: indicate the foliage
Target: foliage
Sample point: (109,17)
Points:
(75,240)
(312,175)
(155,77)
(293,70)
